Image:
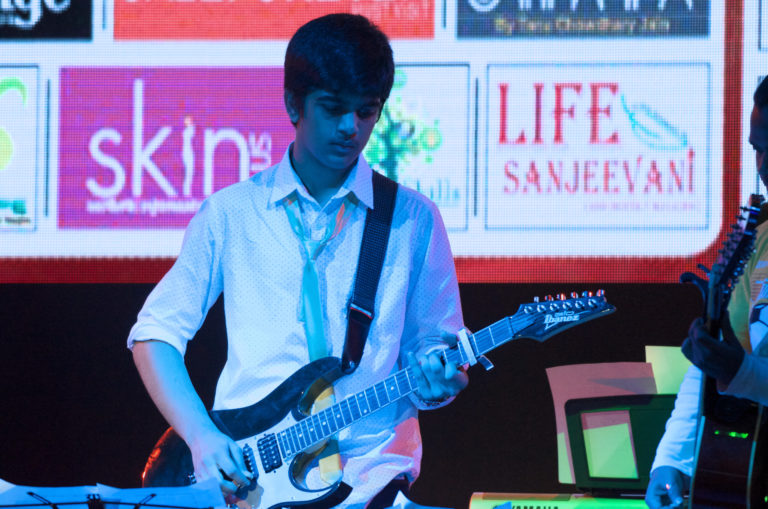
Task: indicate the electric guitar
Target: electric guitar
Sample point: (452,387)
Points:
(279,438)
(730,451)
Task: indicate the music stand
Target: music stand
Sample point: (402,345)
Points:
(202,495)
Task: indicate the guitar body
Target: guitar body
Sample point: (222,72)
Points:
(731,447)
(170,463)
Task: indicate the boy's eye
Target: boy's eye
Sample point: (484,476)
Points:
(367,112)
(334,109)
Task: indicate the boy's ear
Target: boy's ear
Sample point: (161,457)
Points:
(290,107)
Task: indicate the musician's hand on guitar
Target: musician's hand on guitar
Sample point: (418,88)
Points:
(436,381)
(718,359)
(666,488)
(216,455)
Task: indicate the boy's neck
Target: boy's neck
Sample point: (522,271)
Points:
(321,183)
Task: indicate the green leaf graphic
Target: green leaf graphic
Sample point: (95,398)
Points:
(6,143)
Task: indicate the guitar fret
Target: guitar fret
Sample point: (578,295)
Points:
(283,444)
(306,425)
(334,424)
(318,427)
(311,429)
(295,430)
(354,409)
(411,379)
(338,416)
(362,402)
(324,423)
(344,405)
(370,394)
(400,379)
(381,393)
(294,443)
(301,432)
(392,391)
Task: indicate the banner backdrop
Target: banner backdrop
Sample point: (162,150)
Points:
(562,140)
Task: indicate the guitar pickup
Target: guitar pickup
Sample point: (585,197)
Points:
(269,452)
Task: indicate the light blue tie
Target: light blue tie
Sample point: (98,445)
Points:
(312,315)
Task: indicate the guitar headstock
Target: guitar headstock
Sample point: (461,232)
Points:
(555,314)
(725,272)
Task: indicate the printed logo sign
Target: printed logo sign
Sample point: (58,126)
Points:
(46,19)
(18,147)
(255,19)
(582,18)
(421,137)
(605,152)
(141,148)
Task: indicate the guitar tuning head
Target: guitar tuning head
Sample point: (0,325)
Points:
(586,294)
(561,296)
(549,298)
(601,293)
(574,295)
(536,299)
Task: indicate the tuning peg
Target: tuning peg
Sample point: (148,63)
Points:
(586,294)
(549,298)
(561,296)
(574,295)
(601,293)
(536,299)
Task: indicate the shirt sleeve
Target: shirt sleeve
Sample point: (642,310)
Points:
(177,306)
(433,303)
(749,381)
(677,446)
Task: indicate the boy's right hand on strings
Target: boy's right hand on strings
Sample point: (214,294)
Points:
(215,455)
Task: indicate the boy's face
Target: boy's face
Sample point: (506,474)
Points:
(333,129)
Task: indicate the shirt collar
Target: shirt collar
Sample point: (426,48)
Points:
(359,182)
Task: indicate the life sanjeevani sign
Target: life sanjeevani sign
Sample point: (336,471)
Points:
(578,148)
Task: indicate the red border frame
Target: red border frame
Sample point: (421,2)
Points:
(477,269)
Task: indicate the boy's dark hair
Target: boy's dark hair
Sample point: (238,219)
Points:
(340,53)
(761,94)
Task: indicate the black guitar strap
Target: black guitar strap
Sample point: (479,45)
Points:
(378,222)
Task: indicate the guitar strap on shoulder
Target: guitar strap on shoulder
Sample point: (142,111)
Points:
(378,222)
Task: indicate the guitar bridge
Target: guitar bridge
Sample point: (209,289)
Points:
(269,452)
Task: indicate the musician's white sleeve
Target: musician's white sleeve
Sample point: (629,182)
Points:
(751,380)
(677,446)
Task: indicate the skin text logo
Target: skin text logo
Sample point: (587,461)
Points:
(254,155)
(27,13)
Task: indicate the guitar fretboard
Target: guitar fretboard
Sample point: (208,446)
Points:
(322,425)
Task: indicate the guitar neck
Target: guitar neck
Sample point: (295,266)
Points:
(320,426)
